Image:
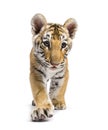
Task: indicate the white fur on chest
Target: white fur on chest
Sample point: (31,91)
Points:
(51,72)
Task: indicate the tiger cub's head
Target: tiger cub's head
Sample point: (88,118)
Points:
(52,42)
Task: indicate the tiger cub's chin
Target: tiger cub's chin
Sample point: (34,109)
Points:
(48,60)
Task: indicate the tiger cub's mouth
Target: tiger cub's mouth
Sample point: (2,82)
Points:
(54,66)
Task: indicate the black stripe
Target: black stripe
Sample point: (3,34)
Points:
(52,88)
(45,38)
(42,47)
(59,77)
(56,83)
(43,55)
(40,52)
(59,72)
(65,56)
(47,80)
(40,72)
(61,66)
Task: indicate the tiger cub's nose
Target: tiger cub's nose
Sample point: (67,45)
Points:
(53,64)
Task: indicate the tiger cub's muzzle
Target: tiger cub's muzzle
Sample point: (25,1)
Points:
(56,58)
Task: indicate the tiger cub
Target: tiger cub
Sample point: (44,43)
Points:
(48,60)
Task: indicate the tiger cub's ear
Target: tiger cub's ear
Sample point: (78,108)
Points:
(37,22)
(71,26)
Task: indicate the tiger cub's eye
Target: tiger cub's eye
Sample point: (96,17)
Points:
(64,45)
(46,43)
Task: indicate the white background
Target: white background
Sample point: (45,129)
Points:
(87,93)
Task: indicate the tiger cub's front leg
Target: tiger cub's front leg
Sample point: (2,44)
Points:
(57,90)
(44,107)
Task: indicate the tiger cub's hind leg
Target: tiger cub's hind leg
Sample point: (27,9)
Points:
(57,91)
(33,103)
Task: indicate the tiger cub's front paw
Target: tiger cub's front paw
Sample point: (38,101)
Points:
(59,105)
(41,114)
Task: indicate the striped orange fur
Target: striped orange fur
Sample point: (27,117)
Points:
(48,60)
